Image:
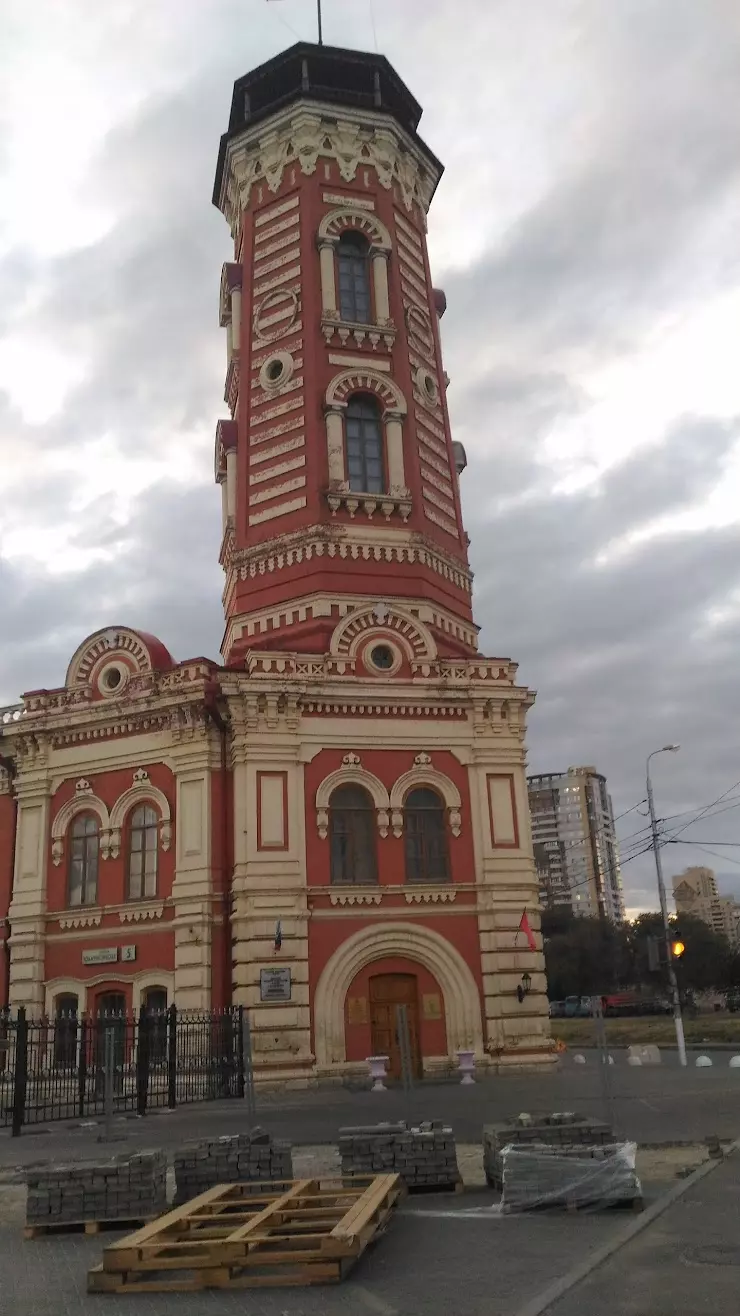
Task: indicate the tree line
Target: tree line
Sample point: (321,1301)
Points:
(591,956)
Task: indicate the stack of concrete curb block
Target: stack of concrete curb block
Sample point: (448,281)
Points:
(557,1160)
(241,1158)
(558,1130)
(424,1156)
(120,1189)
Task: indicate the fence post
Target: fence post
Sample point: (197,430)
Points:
(142,1061)
(109,1055)
(172,1057)
(248,1067)
(20,1077)
(240,1052)
(82,1069)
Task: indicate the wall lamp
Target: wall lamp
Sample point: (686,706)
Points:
(523,987)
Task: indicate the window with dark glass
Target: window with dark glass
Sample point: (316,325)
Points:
(142,854)
(83,860)
(364,441)
(352,832)
(353,266)
(425,830)
(65,1032)
(155,1004)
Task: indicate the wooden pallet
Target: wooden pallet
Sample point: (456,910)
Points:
(75,1226)
(421,1189)
(307,1231)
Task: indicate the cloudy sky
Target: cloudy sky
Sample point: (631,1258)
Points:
(586,233)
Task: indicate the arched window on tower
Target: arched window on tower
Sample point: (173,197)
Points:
(365,466)
(353,269)
(425,830)
(352,832)
(83,860)
(142,853)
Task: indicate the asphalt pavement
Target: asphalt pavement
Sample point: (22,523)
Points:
(648,1105)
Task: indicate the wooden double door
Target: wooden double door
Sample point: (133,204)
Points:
(387,990)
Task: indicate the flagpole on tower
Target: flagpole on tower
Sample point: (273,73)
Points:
(318,12)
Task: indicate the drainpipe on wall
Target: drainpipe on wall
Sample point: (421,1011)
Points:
(213,711)
(9,765)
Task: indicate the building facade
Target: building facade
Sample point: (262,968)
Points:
(575,843)
(333,820)
(695,892)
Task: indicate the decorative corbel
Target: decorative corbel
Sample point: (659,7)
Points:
(322,823)
(383,822)
(165,834)
(455,822)
(397,822)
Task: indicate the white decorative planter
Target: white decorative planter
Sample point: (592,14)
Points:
(466,1062)
(376,1065)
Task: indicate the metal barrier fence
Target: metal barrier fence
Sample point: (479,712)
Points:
(62,1068)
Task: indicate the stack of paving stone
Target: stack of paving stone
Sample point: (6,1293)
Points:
(119,1189)
(559,1160)
(241,1158)
(423,1156)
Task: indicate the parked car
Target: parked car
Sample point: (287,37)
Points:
(578,1007)
(557,1009)
(732,1001)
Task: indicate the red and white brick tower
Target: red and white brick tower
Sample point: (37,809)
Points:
(380,804)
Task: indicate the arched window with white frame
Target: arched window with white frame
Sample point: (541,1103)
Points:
(353,277)
(84,856)
(425,832)
(363,437)
(143,853)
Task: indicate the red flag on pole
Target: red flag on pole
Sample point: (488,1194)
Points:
(526,929)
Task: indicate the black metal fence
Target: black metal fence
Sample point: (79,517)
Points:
(77,1067)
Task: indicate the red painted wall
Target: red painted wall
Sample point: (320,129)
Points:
(432,1032)
(154,943)
(108,786)
(388,765)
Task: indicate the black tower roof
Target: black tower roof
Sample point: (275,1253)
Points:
(321,73)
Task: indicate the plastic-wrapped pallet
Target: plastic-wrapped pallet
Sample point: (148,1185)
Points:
(538,1175)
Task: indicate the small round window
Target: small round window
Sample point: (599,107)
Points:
(382,657)
(276,370)
(112,679)
(427,385)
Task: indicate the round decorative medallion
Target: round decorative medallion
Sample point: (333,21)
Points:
(276,371)
(283,303)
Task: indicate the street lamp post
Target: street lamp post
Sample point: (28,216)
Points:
(673,981)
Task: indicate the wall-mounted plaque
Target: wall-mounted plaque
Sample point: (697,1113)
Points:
(431,1005)
(275,984)
(105,955)
(357,1010)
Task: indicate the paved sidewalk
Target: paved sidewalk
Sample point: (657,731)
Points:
(686,1263)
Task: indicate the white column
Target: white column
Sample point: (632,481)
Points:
(28,906)
(231,483)
(328,285)
(335,445)
(224,504)
(394,453)
(380,282)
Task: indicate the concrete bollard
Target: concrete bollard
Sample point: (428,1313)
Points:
(734,1062)
(579,1060)
(703,1062)
(647,1054)
(376,1065)
(634,1061)
(611,1060)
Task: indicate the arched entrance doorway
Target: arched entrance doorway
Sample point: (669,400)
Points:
(450,1016)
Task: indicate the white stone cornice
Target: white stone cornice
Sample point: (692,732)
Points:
(307,130)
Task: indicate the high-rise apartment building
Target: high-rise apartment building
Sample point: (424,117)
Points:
(695,892)
(575,843)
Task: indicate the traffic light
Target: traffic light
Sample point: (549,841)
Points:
(677,949)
